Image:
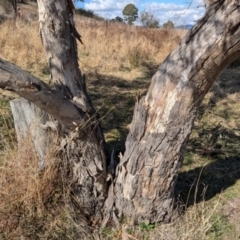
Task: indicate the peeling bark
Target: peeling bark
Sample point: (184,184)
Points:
(84,147)
(13,78)
(163,119)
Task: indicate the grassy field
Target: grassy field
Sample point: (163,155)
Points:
(118,61)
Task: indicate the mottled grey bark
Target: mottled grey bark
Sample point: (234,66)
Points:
(163,119)
(83,147)
(13,78)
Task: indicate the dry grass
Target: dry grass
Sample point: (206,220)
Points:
(35,204)
(22,46)
(115,47)
(121,58)
(109,48)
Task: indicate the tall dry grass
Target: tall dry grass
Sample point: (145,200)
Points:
(36,204)
(22,46)
(117,47)
(109,47)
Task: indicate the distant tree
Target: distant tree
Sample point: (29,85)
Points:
(130,13)
(88,13)
(118,19)
(149,20)
(169,25)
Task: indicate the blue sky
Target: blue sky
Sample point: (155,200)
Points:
(181,12)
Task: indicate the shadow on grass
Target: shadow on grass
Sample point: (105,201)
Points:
(213,179)
(217,144)
(227,83)
(114,99)
(222,171)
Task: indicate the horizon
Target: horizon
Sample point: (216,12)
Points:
(180,12)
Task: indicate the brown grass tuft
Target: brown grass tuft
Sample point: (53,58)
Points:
(35,204)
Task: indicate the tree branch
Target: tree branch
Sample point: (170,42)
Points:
(13,78)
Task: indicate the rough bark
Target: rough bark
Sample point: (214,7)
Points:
(84,147)
(162,121)
(58,35)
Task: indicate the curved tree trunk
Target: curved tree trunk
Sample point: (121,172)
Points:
(162,121)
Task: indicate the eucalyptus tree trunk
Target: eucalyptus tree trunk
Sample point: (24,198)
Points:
(142,187)
(83,147)
(163,119)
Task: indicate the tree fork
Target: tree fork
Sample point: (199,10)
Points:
(143,188)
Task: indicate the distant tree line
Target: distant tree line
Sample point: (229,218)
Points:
(117,19)
(130,14)
(146,18)
(22,1)
(88,13)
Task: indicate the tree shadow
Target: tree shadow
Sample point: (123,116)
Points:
(217,144)
(222,171)
(149,69)
(226,83)
(203,183)
(114,99)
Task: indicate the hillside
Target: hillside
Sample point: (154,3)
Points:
(123,59)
